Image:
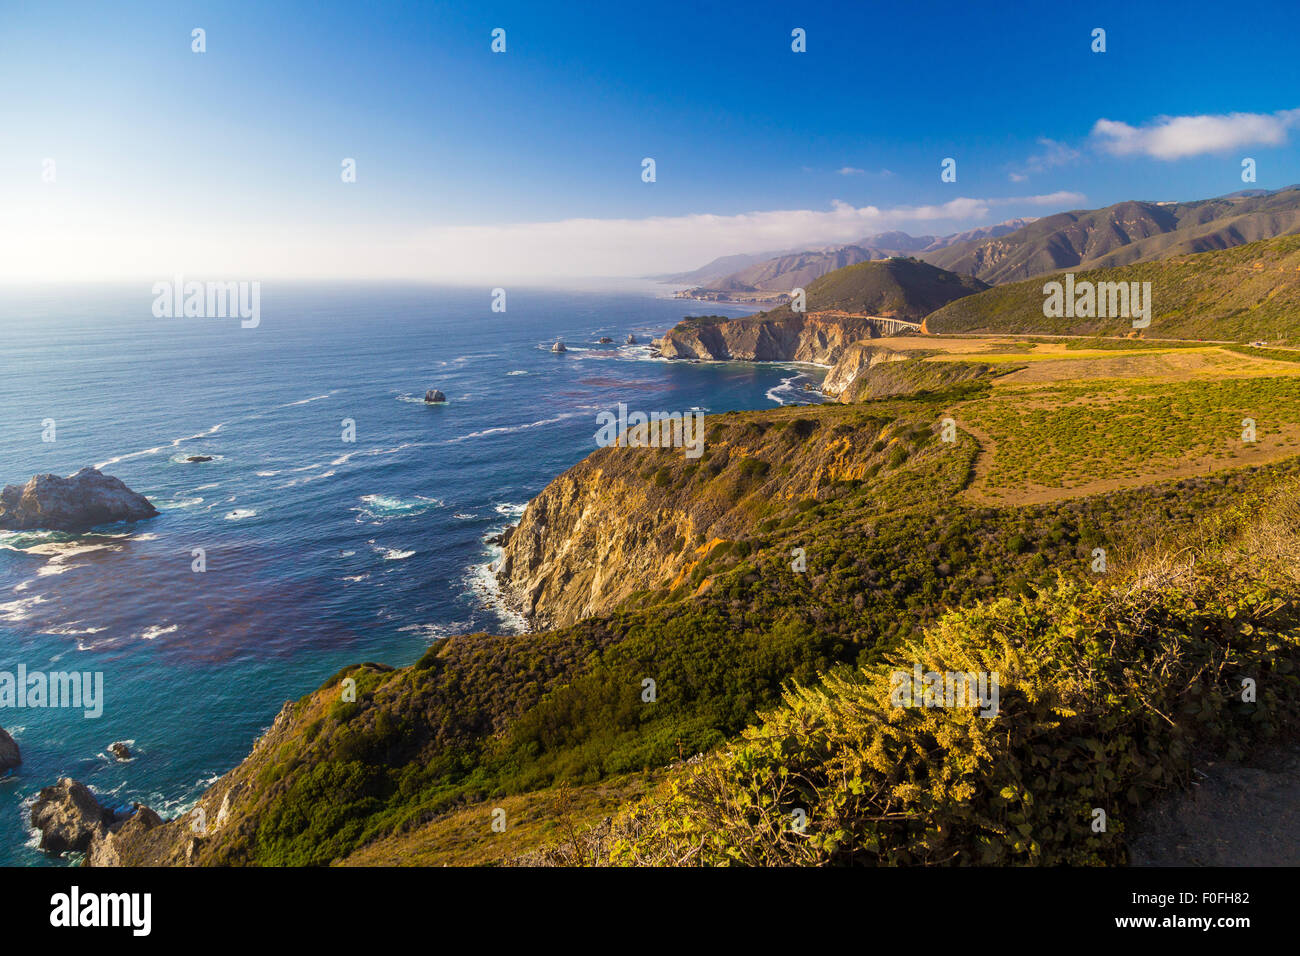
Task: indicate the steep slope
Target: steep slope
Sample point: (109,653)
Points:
(839,307)
(1241,294)
(1124,233)
(914,376)
(621,522)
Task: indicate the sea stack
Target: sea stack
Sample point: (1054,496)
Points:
(69,817)
(9,755)
(631,340)
(558,347)
(74,504)
(434,397)
(120,750)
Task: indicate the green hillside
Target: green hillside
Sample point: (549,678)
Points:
(1242,294)
(899,288)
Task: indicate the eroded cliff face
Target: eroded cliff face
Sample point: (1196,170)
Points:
(190,840)
(853,361)
(626,520)
(820,338)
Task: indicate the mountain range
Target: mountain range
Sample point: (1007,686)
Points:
(778,272)
(1121,234)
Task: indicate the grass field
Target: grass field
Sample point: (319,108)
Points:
(1078,419)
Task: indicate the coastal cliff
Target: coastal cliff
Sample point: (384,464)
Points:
(819,338)
(553,731)
(853,361)
(861,302)
(626,520)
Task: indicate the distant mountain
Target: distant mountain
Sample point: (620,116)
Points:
(770,275)
(1247,293)
(783,273)
(1124,233)
(983,232)
(717,269)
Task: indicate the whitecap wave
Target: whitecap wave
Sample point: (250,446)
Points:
(240,513)
(787,393)
(368,452)
(510,429)
(481,581)
(434,632)
(383,507)
(157,448)
(305,401)
(155,631)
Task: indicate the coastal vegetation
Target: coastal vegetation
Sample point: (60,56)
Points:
(1108,524)
(1243,294)
(1112,682)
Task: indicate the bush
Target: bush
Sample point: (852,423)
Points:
(1103,696)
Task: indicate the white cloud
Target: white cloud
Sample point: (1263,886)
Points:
(1177,137)
(509,252)
(850,171)
(1053,154)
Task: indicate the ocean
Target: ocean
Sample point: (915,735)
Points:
(319,552)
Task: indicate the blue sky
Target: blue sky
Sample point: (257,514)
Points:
(471,163)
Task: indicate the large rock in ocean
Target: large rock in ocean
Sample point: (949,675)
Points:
(9,755)
(76,503)
(69,817)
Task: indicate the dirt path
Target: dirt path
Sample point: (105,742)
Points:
(1234,815)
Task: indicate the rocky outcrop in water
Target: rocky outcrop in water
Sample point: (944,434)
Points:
(76,503)
(120,750)
(143,838)
(9,755)
(69,817)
